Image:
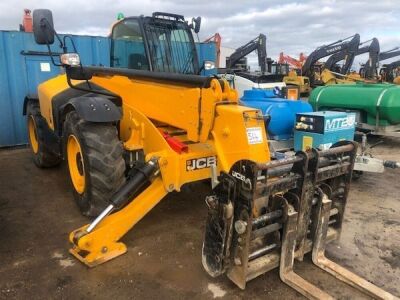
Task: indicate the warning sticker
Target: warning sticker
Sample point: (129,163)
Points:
(254,135)
(44,67)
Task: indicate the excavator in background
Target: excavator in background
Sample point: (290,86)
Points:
(372,49)
(348,44)
(259,45)
(239,77)
(130,136)
(387,70)
(217,39)
(390,73)
(389,54)
(369,69)
(312,73)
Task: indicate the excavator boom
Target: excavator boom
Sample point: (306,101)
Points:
(372,49)
(326,50)
(258,44)
(389,54)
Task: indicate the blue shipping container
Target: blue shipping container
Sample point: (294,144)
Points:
(207,51)
(24,65)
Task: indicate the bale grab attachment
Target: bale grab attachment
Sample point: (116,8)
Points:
(263,216)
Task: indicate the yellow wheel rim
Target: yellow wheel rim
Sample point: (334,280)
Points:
(33,135)
(75,164)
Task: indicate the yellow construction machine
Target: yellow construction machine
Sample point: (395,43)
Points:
(328,77)
(302,82)
(132,134)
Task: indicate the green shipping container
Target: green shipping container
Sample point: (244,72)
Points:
(373,102)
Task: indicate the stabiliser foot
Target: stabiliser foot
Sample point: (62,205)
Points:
(98,256)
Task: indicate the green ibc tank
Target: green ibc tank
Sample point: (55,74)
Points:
(373,102)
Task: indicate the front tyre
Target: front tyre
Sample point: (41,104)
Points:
(95,162)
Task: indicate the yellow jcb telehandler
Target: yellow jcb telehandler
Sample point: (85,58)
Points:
(136,131)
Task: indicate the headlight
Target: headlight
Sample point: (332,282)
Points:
(209,65)
(70,59)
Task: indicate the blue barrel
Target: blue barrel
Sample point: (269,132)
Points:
(279,113)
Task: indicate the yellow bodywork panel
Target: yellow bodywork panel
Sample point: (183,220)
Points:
(238,134)
(301,81)
(182,106)
(329,78)
(46,92)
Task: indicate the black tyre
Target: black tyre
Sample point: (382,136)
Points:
(42,156)
(95,162)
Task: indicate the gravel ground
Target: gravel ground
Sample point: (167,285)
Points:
(164,250)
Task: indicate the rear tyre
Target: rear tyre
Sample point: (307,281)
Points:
(42,156)
(95,162)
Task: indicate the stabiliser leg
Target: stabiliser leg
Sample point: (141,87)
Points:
(101,243)
(319,258)
(286,271)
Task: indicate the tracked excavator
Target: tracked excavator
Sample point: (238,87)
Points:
(349,44)
(389,54)
(372,49)
(387,71)
(269,77)
(258,44)
(133,134)
(347,54)
(334,75)
(313,74)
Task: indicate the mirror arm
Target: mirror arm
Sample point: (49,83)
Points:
(90,90)
(72,42)
(51,56)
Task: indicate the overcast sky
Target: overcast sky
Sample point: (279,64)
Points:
(290,26)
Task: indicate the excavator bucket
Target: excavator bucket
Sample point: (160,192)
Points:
(263,216)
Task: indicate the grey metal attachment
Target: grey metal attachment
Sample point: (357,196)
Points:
(319,258)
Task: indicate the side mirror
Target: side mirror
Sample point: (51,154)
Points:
(43,29)
(196,22)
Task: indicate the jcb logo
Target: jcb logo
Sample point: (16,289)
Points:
(200,163)
(241,177)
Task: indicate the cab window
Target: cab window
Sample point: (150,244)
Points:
(128,49)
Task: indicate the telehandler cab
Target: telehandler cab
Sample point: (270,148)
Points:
(131,135)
